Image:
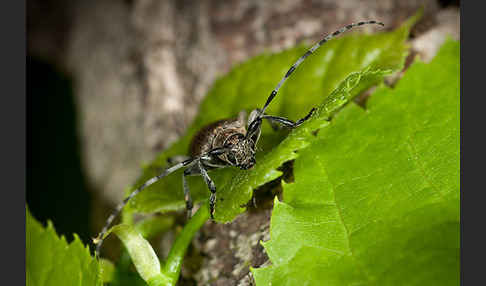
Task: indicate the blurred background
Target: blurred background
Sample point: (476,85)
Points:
(111,83)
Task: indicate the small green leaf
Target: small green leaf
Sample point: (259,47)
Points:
(50,260)
(351,59)
(141,253)
(144,257)
(149,227)
(376,195)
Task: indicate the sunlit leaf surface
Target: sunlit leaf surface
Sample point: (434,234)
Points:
(50,260)
(376,196)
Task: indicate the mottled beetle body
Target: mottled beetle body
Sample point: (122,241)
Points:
(230,134)
(224,143)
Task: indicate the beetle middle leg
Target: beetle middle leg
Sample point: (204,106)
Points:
(211,186)
(187,195)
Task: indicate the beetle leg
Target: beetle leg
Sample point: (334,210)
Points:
(287,122)
(98,241)
(211,186)
(187,194)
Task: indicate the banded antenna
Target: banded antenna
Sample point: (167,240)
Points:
(309,52)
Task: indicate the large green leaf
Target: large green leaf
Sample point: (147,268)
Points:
(376,195)
(358,60)
(50,260)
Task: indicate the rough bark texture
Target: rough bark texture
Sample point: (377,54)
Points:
(141,68)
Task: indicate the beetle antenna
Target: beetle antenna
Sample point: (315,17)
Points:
(310,51)
(98,241)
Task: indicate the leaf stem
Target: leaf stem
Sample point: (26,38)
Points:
(173,264)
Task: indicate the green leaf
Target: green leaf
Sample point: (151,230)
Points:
(141,253)
(124,274)
(359,60)
(107,270)
(50,260)
(376,196)
(144,257)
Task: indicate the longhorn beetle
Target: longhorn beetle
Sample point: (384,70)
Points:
(225,143)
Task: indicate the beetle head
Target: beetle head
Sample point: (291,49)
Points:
(241,151)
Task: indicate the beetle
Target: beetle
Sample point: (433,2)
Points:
(226,143)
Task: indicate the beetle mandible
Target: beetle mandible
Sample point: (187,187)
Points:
(227,142)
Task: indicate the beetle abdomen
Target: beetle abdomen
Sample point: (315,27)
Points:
(214,134)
